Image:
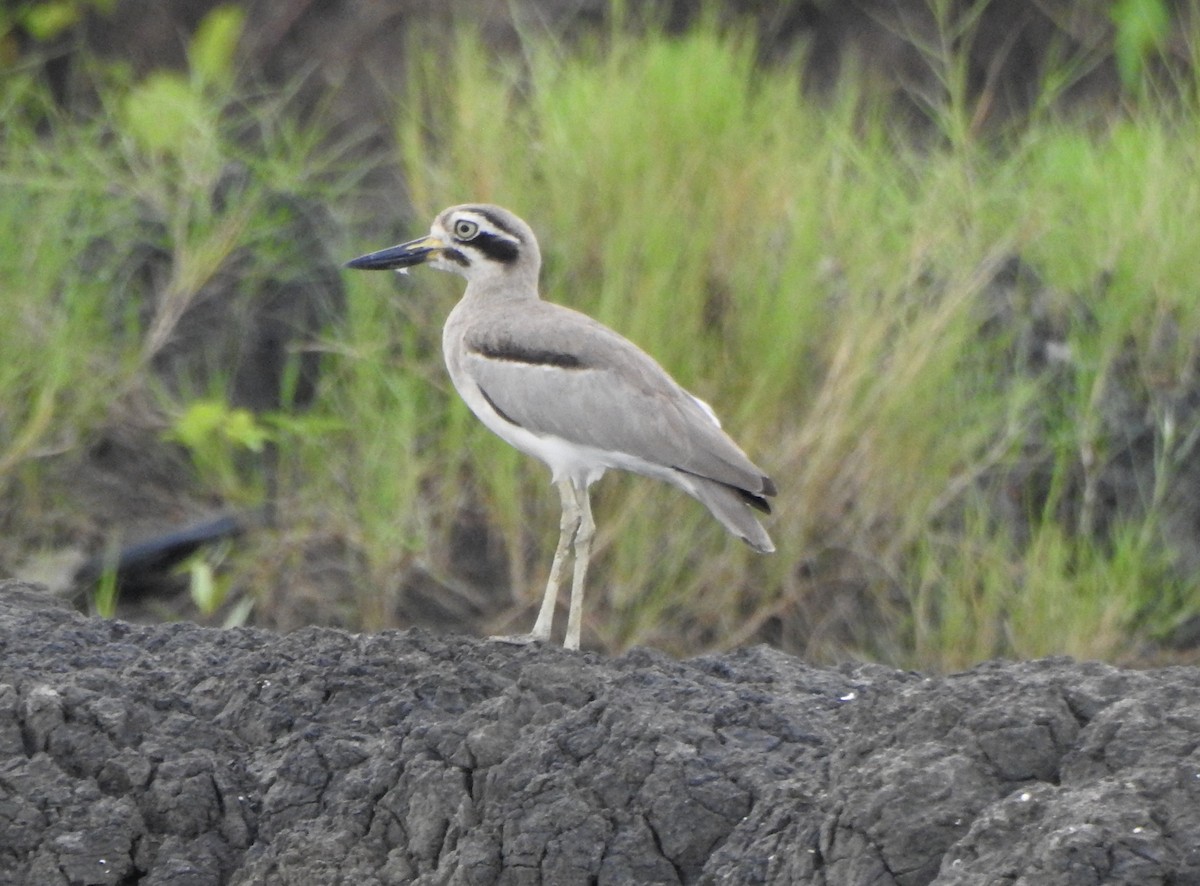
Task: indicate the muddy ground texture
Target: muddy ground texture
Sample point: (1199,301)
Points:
(176,754)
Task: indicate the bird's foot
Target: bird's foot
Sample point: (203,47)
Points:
(519,639)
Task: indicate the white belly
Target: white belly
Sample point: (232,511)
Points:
(583,464)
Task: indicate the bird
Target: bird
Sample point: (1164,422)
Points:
(566,389)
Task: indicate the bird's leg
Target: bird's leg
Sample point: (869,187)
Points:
(567,529)
(583,553)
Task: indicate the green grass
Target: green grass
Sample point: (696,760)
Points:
(56,287)
(825,285)
(90,200)
(825,281)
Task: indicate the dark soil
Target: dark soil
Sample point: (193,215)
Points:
(185,755)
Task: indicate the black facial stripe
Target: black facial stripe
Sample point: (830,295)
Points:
(500,412)
(457,257)
(509,352)
(496,248)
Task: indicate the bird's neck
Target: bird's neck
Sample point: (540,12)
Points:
(502,288)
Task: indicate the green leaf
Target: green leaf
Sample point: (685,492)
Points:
(200,424)
(44,21)
(1142,28)
(164,113)
(243,429)
(305,425)
(213,46)
(203,586)
(104,598)
(212,423)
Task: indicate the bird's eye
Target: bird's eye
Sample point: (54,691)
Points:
(465,229)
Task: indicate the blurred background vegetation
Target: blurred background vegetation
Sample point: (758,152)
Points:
(933,262)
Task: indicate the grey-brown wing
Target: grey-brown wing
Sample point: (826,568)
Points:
(559,372)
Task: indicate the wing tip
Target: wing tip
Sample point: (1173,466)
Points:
(762,546)
(758,500)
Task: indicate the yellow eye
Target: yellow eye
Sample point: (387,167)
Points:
(465,229)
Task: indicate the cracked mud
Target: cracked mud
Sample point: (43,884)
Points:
(182,755)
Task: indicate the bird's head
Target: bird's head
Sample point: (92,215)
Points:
(479,241)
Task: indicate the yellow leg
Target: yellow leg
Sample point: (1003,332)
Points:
(585,530)
(567,530)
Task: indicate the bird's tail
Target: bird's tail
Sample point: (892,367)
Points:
(729,505)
